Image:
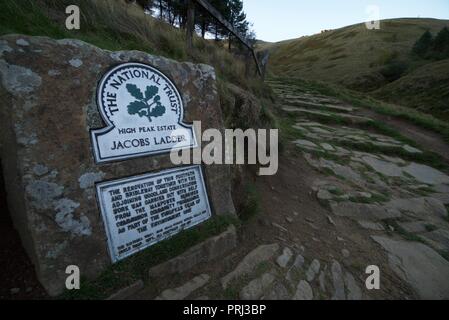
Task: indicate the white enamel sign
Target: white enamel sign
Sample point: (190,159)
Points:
(143,111)
(143,210)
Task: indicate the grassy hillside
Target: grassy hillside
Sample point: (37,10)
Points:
(425,89)
(378,62)
(352,56)
(115,25)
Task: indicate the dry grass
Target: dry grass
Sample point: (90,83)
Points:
(365,51)
(425,89)
(115,25)
(377,62)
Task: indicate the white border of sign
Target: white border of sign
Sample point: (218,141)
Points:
(110,126)
(99,186)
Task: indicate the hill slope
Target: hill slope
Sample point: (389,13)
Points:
(426,89)
(353,56)
(378,62)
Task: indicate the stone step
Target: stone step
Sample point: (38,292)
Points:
(319,105)
(250,262)
(353,119)
(304,98)
(418,265)
(185,290)
(202,253)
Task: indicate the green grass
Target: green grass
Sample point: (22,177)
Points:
(136,267)
(425,88)
(375,198)
(402,232)
(289,134)
(424,191)
(336,191)
(27,17)
(369,61)
(428,158)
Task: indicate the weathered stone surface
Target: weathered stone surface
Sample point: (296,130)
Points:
(383,167)
(441,188)
(279,292)
(353,289)
(411,149)
(327,147)
(299,262)
(322,281)
(201,253)
(371,225)
(313,270)
(420,266)
(338,281)
(345,253)
(256,288)
(250,262)
(48,108)
(426,174)
(439,239)
(284,258)
(303,291)
(424,207)
(306,143)
(185,290)
(413,227)
(245,105)
(361,211)
(443,197)
(297,265)
(324,195)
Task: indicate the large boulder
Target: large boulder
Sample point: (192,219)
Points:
(48,108)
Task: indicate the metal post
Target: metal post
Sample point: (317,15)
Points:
(190,25)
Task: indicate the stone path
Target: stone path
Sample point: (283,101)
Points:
(370,187)
(272,273)
(401,201)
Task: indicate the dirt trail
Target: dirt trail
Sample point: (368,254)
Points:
(331,211)
(430,141)
(292,217)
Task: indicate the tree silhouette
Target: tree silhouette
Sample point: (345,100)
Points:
(423,45)
(436,48)
(441,44)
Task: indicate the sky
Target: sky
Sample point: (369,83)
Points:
(287,19)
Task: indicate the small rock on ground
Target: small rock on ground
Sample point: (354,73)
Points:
(279,292)
(354,291)
(313,270)
(256,288)
(284,259)
(251,261)
(338,281)
(303,291)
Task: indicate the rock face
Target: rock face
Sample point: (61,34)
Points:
(250,262)
(420,266)
(48,108)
